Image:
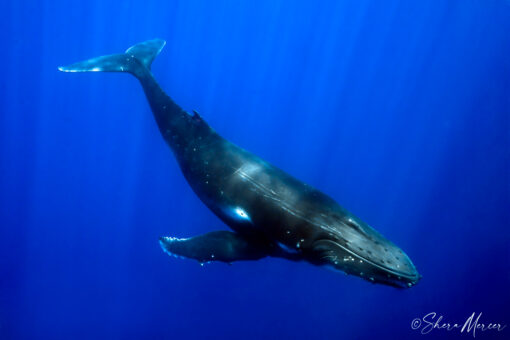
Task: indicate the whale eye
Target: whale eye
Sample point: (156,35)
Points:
(241,213)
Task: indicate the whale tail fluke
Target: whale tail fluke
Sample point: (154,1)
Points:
(135,60)
(146,51)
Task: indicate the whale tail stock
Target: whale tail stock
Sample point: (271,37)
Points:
(136,60)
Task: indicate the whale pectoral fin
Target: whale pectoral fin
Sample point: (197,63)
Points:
(222,246)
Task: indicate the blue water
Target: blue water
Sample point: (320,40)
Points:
(397,109)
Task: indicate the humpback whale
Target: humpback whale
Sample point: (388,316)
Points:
(269,212)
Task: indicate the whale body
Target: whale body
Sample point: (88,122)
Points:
(270,212)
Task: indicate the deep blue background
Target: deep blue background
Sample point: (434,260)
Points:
(398,109)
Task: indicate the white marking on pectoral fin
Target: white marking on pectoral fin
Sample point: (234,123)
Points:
(164,240)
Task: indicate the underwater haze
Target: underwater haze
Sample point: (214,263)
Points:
(399,110)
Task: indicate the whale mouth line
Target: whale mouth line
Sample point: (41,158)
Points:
(388,270)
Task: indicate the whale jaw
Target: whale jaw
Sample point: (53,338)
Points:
(401,275)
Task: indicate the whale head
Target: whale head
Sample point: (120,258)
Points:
(357,249)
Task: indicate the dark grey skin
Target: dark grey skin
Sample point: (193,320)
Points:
(270,212)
